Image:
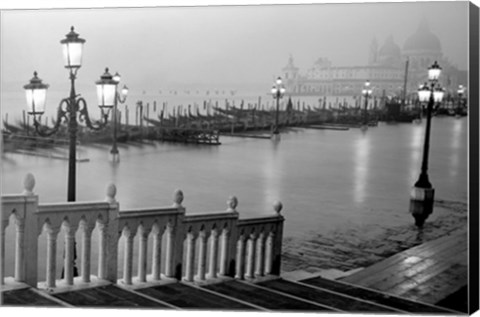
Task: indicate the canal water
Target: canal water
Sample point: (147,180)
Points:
(324,178)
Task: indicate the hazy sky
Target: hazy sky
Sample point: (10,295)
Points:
(159,47)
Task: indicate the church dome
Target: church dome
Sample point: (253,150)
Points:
(389,49)
(423,40)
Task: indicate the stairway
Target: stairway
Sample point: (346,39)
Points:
(269,294)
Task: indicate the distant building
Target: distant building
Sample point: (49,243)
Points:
(385,69)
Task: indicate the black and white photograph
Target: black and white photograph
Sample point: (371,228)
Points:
(285,157)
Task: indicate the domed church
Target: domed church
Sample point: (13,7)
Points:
(386,68)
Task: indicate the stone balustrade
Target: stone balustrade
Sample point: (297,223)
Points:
(193,248)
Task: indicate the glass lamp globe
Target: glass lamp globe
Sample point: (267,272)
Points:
(36,94)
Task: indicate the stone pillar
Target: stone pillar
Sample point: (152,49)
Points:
(212,272)
(32,231)
(169,258)
(102,251)
(2,252)
(175,239)
(112,235)
(269,253)
(157,255)
(240,261)
(277,242)
(190,257)
(260,256)
(69,253)
(224,252)
(251,243)
(51,256)
(128,258)
(202,255)
(19,251)
(142,257)
(86,254)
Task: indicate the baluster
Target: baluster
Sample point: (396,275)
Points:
(19,251)
(260,256)
(251,255)
(157,255)
(212,272)
(2,252)
(190,257)
(142,257)
(224,252)
(202,255)
(240,265)
(128,260)
(86,253)
(69,253)
(169,265)
(102,250)
(51,256)
(269,253)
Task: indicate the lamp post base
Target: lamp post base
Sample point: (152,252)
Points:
(421,204)
(114,157)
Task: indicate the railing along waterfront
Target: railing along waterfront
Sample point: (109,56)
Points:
(192,248)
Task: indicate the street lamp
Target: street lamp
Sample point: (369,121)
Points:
(366,92)
(278,91)
(119,98)
(72,106)
(421,200)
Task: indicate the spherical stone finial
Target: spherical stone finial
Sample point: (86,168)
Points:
(178,198)
(28,184)
(111,192)
(277,206)
(232,203)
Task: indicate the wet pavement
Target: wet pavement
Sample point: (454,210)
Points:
(358,246)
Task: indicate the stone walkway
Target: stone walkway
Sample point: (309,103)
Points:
(355,247)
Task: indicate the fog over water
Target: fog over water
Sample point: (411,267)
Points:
(222,47)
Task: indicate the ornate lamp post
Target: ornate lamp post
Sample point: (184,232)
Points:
(72,106)
(366,92)
(119,98)
(421,200)
(278,91)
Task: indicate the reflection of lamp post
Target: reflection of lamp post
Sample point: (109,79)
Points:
(460,92)
(119,98)
(366,92)
(71,106)
(421,201)
(278,90)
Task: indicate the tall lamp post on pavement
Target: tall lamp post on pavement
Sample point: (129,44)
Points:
(72,106)
(422,195)
(366,92)
(278,91)
(119,98)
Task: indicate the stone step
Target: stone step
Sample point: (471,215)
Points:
(108,296)
(374,296)
(268,299)
(182,295)
(334,300)
(29,297)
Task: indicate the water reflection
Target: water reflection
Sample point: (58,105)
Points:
(272,170)
(455,144)
(362,167)
(416,149)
